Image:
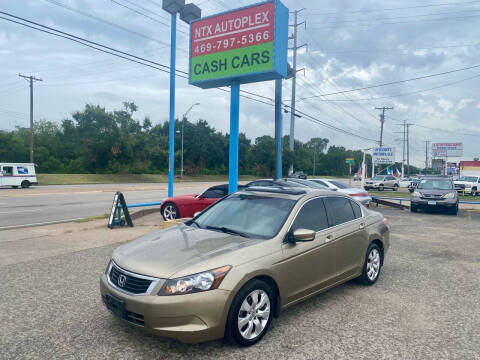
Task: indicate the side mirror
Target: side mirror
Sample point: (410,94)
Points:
(301,235)
(196,214)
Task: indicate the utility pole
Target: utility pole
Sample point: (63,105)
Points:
(403,154)
(31,79)
(407,126)
(294,80)
(382,120)
(426,155)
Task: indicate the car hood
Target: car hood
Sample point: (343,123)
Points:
(458,182)
(434,192)
(166,252)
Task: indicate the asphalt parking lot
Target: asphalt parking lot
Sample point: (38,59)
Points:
(424,306)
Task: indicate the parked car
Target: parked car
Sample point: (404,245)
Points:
(357,177)
(231,269)
(434,192)
(413,184)
(382,182)
(187,205)
(468,184)
(17,174)
(405,182)
(298,175)
(285,182)
(335,185)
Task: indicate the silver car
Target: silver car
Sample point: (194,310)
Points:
(335,185)
(382,182)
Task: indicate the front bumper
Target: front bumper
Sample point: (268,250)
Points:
(190,318)
(439,203)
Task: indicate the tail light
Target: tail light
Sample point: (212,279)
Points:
(359,194)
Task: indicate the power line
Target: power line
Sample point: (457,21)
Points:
(145,15)
(407,93)
(102,21)
(394,23)
(395,17)
(398,49)
(397,8)
(396,82)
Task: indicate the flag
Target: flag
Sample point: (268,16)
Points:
(398,173)
(389,171)
(359,172)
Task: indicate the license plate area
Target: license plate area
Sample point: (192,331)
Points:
(432,202)
(116,306)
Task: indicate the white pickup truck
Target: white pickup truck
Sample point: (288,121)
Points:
(469,184)
(17,174)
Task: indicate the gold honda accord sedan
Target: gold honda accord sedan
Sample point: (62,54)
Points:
(228,271)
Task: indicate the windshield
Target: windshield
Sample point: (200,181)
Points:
(378,177)
(340,184)
(253,215)
(468,178)
(435,184)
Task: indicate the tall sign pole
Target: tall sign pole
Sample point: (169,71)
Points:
(234,125)
(278,128)
(187,13)
(236,47)
(171,120)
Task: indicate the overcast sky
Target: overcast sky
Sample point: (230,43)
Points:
(351,44)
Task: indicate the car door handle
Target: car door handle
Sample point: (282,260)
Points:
(329,238)
(362,225)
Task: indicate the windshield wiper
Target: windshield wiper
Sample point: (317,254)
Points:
(191,222)
(226,230)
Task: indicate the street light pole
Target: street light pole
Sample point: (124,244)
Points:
(183,127)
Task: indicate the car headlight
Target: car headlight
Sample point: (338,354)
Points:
(416,194)
(450,195)
(203,281)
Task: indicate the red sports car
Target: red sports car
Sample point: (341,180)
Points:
(187,205)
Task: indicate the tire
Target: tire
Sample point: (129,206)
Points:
(372,265)
(395,187)
(169,211)
(453,211)
(365,188)
(25,184)
(241,326)
(380,188)
(15,187)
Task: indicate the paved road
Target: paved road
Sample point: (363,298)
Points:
(424,306)
(44,204)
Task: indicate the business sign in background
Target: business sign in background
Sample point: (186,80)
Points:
(447,149)
(247,44)
(383,155)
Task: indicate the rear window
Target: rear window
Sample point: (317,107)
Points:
(340,209)
(340,185)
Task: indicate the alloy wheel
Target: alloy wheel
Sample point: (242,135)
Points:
(373,264)
(254,314)
(169,212)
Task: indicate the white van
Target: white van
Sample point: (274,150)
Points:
(17,174)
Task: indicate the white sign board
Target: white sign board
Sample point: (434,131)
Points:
(383,155)
(441,150)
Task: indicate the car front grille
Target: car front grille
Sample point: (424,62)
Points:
(127,281)
(432,196)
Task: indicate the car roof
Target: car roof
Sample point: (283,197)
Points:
(288,192)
